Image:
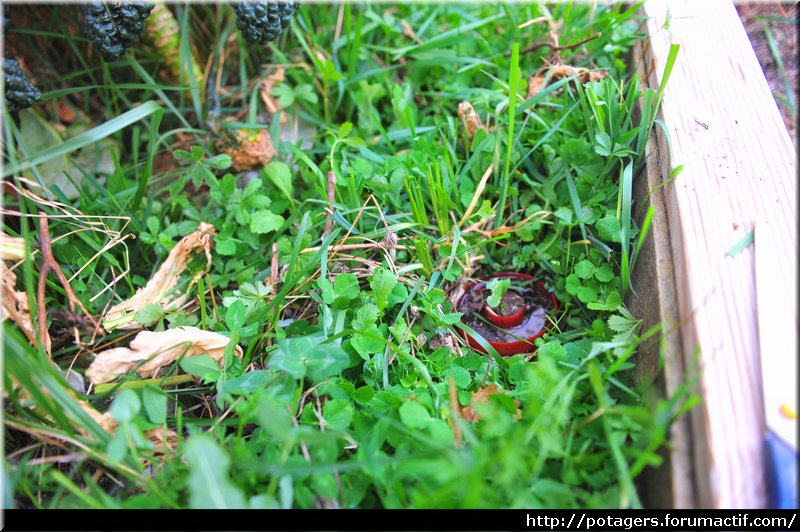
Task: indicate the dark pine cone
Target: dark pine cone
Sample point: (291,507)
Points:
(20,93)
(261,22)
(114,27)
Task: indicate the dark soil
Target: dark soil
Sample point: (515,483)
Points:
(785,34)
(511,303)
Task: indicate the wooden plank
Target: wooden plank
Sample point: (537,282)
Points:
(740,165)
(660,360)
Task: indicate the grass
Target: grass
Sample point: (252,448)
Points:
(354,371)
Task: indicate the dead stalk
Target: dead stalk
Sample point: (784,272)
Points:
(49,264)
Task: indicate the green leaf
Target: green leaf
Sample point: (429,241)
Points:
(498,287)
(587,294)
(367,344)
(604,273)
(281,176)
(485,211)
(603,144)
(608,228)
(117,448)
(125,406)
(363,394)
(202,366)
(85,139)
(209,485)
(338,413)
(460,375)
(306,93)
(155,404)
(564,214)
(345,288)
(249,382)
(225,246)
(365,317)
(552,349)
(219,162)
(414,415)
(149,314)
(285,95)
(584,269)
(265,221)
(307,355)
(573,284)
(235,316)
(382,283)
(344,130)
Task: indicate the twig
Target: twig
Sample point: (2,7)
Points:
(343,247)
(556,48)
(274,265)
(455,412)
(49,264)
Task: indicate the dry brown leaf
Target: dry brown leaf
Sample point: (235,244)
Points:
(482,397)
(15,306)
(470,118)
(163,439)
(154,350)
(562,71)
(534,86)
(271,102)
(157,290)
(11,248)
(255,150)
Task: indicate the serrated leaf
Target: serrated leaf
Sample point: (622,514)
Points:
(344,130)
(603,144)
(219,162)
(620,323)
(209,485)
(265,221)
(182,156)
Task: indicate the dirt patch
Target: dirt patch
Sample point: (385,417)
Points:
(754,18)
(510,304)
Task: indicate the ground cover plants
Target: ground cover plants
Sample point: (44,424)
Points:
(230,269)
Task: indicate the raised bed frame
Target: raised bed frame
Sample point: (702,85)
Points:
(740,166)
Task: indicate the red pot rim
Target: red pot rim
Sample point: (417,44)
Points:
(518,346)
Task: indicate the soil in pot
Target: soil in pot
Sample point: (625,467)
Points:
(534,299)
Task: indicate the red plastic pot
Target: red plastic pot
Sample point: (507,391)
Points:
(517,320)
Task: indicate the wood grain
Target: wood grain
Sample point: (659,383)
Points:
(739,166)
